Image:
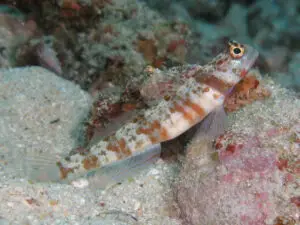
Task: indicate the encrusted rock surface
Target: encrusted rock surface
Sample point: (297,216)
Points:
(251,174)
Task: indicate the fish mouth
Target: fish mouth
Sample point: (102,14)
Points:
(250,57)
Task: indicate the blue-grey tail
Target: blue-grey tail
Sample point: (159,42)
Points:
(32,165)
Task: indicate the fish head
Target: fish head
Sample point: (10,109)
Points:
(233,64)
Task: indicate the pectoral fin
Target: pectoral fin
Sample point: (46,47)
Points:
(214,124)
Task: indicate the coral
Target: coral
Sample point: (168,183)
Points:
(116,39)
(283,220)
(14,33)
(23,45)
(149,50)
(243,185)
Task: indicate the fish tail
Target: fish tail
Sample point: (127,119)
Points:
(35,166)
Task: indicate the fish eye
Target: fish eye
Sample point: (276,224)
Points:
(236,51)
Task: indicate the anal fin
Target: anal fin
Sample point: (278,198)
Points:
(118,171)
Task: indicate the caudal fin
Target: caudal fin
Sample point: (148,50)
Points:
(35,166)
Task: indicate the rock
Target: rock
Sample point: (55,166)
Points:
(247,177)
(40,111)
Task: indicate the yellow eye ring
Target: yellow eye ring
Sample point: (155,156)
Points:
(236,50)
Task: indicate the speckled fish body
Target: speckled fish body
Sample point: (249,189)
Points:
(199,94)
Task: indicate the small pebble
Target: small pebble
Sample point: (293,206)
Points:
(81,183)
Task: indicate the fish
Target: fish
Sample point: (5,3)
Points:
(47,57)
(199,99)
